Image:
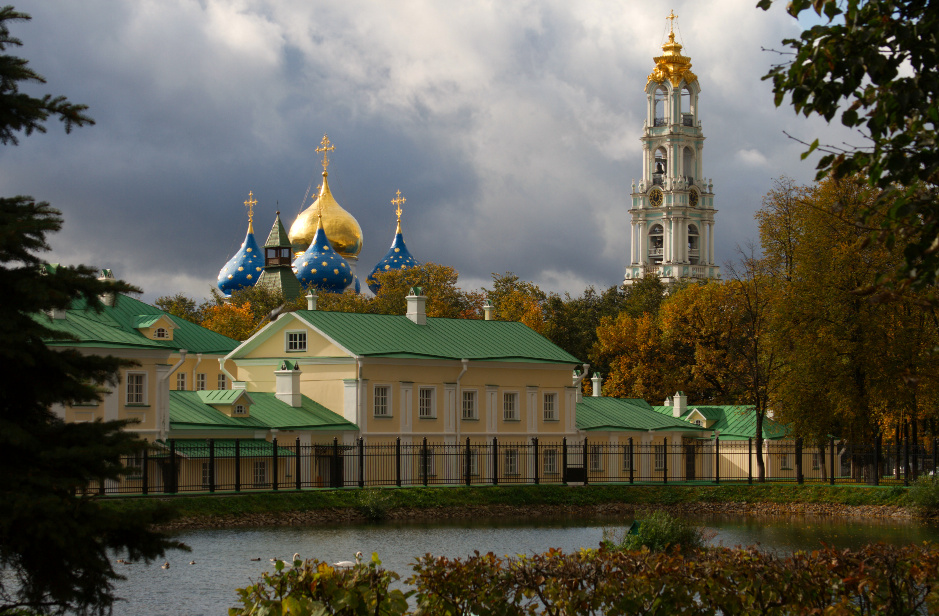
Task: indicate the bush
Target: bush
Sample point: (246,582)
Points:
(924,494)
(374,504)
(657,531)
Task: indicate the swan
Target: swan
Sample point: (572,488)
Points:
(348,564)
(296,556)
(165,565)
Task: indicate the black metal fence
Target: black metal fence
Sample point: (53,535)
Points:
(232,465)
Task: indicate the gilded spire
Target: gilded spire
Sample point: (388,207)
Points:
(671,65)
(398,202)
(250,203)
(325,147)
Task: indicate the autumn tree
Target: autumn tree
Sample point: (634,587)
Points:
(180,305)
(517,300)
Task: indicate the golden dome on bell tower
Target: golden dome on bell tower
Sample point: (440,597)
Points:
(341,227)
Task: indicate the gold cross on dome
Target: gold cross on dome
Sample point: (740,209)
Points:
(325,148)
(671,17)
(398,202)
(250,203)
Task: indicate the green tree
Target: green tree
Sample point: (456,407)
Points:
(181,306)
(515,299)
(56,544)
(874,63)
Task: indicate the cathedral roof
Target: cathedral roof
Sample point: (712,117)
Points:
(671,65)
(321,266)
(278,275)
(278,237)
(397,258)
(243,269)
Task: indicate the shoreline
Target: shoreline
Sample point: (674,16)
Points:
(350,515)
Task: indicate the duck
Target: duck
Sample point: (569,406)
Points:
(121,561)
(256,559)
(192,562)
(165,565)
(348,564)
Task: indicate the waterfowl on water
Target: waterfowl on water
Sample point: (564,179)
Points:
(165,565)
(348,564)
(256,559)
(192,562)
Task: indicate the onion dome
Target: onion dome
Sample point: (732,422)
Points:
(398,256)
(322,267)
(671,65)
(246,266)
(342,229)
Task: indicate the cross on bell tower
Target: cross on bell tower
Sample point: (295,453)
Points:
(672,213)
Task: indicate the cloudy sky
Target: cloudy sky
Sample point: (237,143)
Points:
(511,127)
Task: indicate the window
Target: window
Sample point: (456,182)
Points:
(222,382)
(784,462)
(160,333)
(550,461)
(200,381)
(627,459)
(135,463)
(427,469)
(510,406)
(205,474)
(381,401)
(815,461)
(659,457)
(469,405)
(550,407)
(596,458)
(136,388)
(425,406)
(260,473)
(240,409)
(473,462)
(511,462)
(181,381)
(296,341)
(697,422)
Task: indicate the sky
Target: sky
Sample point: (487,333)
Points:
(511,127)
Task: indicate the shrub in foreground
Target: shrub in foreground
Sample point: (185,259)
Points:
(876,579)
(657,531)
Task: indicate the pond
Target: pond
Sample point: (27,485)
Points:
(223,557)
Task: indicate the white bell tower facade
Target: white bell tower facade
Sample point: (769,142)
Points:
(672,213)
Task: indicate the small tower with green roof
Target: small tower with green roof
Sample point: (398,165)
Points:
(278,269)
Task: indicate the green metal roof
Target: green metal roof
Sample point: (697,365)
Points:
(116,327)
(224,448)
(381,335)
(223,396)
(600,413)
(735,422)
(278,236)
(189,411)
(280,278)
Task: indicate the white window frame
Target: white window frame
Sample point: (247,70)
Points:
(658,457)
(550,462)
(595,458)
(200,381)
(299,342)
(474,462)
(426,465)
(222,381)
(627,459)
(136,398)
(239,409)
(428,410)
(550,406)
(784,464)
(205,475)
(816,461)
(513,413)
(180,381)
(697,422)
(510,462)
(260,473)
(384,409)
(471,410)
(160,333)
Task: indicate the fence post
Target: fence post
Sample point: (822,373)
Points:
(424,461)
(535,451)
(237,465)
(906,461)
(665,461)
(398,461)
(334,479)
(468,467)
(564,460)
(211,465)
(146,467)
(174,477)
(296,467)
(750,460)
(831,457)
(717,458)
(585,456)
(632,460)
(361,462)
(495,461)
(877,446)
(275,470)
(799,479)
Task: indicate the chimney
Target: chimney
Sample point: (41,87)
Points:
(287,383)
(487,310)
(311,300)
(108,298)
(679,404)
(57,314)
(597,381)
(417,306)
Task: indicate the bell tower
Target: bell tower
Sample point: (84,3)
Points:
(672,213)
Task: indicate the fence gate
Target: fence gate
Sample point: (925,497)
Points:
(689,462)
(575,463)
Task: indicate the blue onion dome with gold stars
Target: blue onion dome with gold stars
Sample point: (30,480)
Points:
(398,257)
(243,269)
(322,267)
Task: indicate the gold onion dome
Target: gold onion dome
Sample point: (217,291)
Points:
(671,65)
(341,227)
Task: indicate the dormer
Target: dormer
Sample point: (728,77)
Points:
(155,326)
(697,418)
(231,402)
